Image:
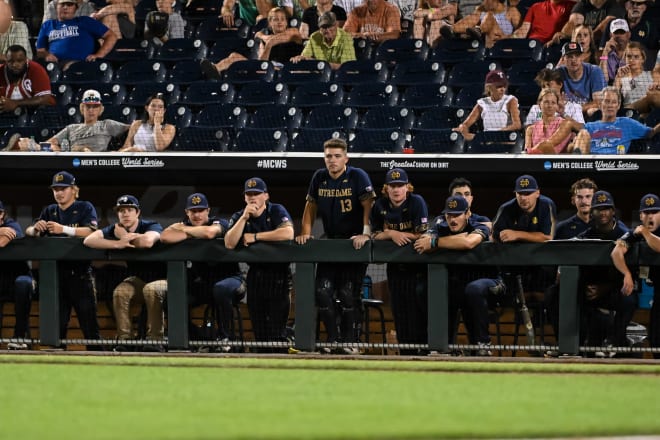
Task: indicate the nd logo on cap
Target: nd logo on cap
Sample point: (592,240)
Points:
(649,201)
(524,183)
(196,200)
(251,183)
(452,204)
(601,198)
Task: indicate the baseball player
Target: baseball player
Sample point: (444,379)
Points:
(402,217)
(131,231)
(460,186)
(455,229)
(268,284)
(343,196)
(70,217)
(16,278)
(648,231)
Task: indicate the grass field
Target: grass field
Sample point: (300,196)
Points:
(127,397)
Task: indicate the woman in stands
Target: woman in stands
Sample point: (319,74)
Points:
(491,21)
(553,79)
(429,16)
(548,135)
(584,36)
(632,80)
(277,33)
(498,111)
(150,133)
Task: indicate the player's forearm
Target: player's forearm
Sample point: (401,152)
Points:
(233,235)
(619,259)
(459,241)
(309,214)
(146,240)
(170,236)
(283,233)
(98,242)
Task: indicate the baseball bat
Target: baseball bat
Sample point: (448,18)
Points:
(524,311)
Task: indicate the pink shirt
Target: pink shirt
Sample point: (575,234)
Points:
(539,134)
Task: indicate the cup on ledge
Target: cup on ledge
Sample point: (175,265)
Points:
(45,146)
(408,150)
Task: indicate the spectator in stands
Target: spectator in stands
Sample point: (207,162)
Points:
(631,79)
(68,38)
(133,232)
(278,33)
(539,136)
(430,16)
(593,13)
(641,25)
(12,33)
(348,5)
(70,217)
(15,278)
(164,24)
(119,17)
(498,111)
(329,43)
(84,8)
(92,135)
(649,232)
(607,308)
(23,83)
(374,20)
(294,8)
(311,16)
(612,56)
(493,20)
(250,11)
(544,20)
(584,36)
(612,134)
(548,78)
(150,133)
(406,8)
(583,82)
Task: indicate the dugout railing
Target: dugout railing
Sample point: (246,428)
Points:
(567,255)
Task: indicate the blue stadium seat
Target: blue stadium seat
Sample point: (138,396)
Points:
(336,117)
(260,140)
(496,142)
(214,29)
(552,54)
(509,50)
(223,48)
(53,71)
(441,118)
(382,140)
(467,96)
(121,113)
(311,139)
(372,95)
(256,94)
(305,71)
(203,93)
(351,73)
(438,140)
(276,116)
(178,115)
(248,71)
(185,72)
(129,49)
(317,95)
(180,49)
(87,73)
(111,94)
(401,50)
(227,116)
(467,74)
(418,72)
(364,49)
(55,118)
(197,11)
(398,118)
(63,93)
(524,72)
(139,95)
(17,118)
(141,72)
(456,51)
(425,96)
(527,94)
(201,139)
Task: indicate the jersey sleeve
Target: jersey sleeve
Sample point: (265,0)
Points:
(419,214)
(89,218)
(10,223)
(365,188)
(280,216)
(313,190)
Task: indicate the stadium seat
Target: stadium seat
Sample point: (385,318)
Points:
(63,93)
(317,95)
(440,118)
(467,96)
(141,72)
(276,116)
(87,73)
(552,53)
(281,53)
(351,73)
(363,49)
(248,71)
(311,139)
(262,93)
(260,140)
(509,50)
(227,116)
(53,71)
(527,94)
(203,93)
(401,50)
(197,11)
(121,113)
(180,49)
(456,51)
(214,29)
(295,74)
(496,142)
(523,72)
(201,139)
(417,72)
(185,72)
(397,118)
(178,115)
(383,140)
(424,96)
(17,118)
(55,118)
(129,49)
(372,95)
(336,117)
(139,95)
(438,140)
(111,94)
(467,74)
(222,49)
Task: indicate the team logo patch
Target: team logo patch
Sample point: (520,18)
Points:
(396,174)
(649,201)
(535,220)
(601,198)
(452,204)
(524,183)
(59,178)
(196,200)
(251,183)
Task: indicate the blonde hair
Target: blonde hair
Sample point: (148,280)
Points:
(547,91)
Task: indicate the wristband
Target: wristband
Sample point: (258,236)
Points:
(434,242)
(68,230)
(255,237)
(366,230)
(603,58)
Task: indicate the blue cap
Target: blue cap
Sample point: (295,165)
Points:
(396,175)
(649,202)
(197,201)
(127,200)
(526,184)
(62,179)
(602,199)
(455,205)
(255,184)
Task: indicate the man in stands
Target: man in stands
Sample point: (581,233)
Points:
(544,20)
(329,43)
(12,32)
(23,83)
(596,14)
(583,82)
(374,20)
(642,28)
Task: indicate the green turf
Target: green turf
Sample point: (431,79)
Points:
(183,398)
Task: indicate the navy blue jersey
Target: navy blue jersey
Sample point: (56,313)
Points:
(618,231)
(596,274)
(510,216)
(339,200)
(570,228)
(630,238)
(440,228)
(12,269)
(147,271)
(411,216)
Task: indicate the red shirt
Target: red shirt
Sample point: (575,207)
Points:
(35,82)
(547,18)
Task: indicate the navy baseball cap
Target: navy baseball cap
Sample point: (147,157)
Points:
(128,201)
(571,47)
(602,199)
(255,184)
(396,175)
(197,201)
(649,202)
(63,179)
(526,184)
(455,205)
